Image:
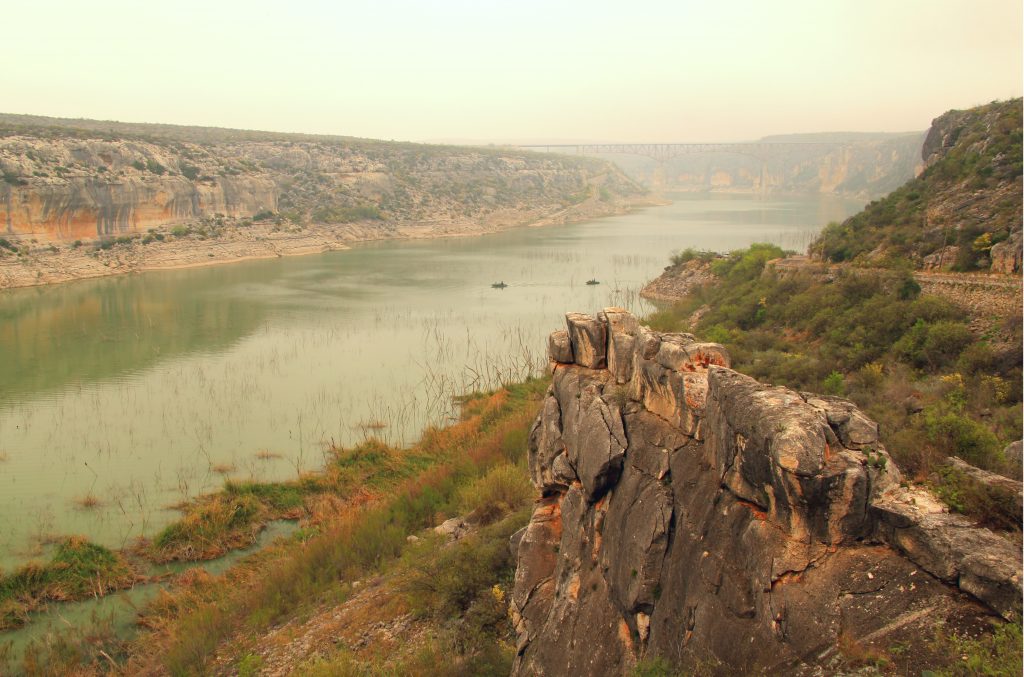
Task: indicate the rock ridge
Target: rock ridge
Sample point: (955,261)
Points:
(690,512)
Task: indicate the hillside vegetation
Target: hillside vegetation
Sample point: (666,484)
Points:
(940,380)
(963,212)
(908,359)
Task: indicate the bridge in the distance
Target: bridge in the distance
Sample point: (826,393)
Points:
(663,152)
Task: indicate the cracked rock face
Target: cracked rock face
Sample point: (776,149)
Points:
(691,512)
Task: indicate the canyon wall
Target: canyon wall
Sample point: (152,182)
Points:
(691,513)
(66,180)
(854,165)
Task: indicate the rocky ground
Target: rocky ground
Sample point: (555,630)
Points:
(678,281)
(991,301)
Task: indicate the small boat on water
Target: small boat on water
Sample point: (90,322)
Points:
(592,282)
(499,285)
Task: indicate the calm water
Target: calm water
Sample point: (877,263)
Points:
(145,390)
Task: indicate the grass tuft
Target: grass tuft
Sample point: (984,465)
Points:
(77,570)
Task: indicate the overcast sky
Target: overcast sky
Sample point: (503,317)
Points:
(517,70)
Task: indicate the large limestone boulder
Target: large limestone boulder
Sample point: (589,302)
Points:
(559,347)
(622,329)
(589,339)
(1006,255)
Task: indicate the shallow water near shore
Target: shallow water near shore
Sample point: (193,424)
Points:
(118,611)
(120,397)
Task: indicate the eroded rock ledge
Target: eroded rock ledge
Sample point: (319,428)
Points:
(690,512)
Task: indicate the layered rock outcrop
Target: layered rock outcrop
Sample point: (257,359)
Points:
(64,180)
(692,513)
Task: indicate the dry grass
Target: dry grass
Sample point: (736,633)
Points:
(371,425)
(3,456)
(210,528)
(400,491)
(506,488)
(857,654)
(267,455)
(356,515)
(223,468)
(88,502)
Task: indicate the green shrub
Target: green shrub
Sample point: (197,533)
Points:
(955,434)
(746,264)
(655,666)
(689,254)
(13,179)
(834,384)
(935,345)
(329,214)
(944,343)
(908,288)
(977,358)
(462,575)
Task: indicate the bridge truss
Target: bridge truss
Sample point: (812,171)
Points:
(663,152)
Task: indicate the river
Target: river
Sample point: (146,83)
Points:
(120,397)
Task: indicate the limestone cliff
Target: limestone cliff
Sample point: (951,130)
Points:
(66,180)
(692,513)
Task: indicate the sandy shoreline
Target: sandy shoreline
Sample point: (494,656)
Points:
(265,241)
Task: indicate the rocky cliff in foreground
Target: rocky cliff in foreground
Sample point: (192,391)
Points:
(692,513)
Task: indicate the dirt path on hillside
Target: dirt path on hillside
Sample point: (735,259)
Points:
(992,302)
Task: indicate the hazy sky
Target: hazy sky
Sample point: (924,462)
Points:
(681,70)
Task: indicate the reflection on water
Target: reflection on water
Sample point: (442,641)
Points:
(145,390)
(95,329)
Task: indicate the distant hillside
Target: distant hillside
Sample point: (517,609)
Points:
(963,212)
(856,164)
(64,180)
